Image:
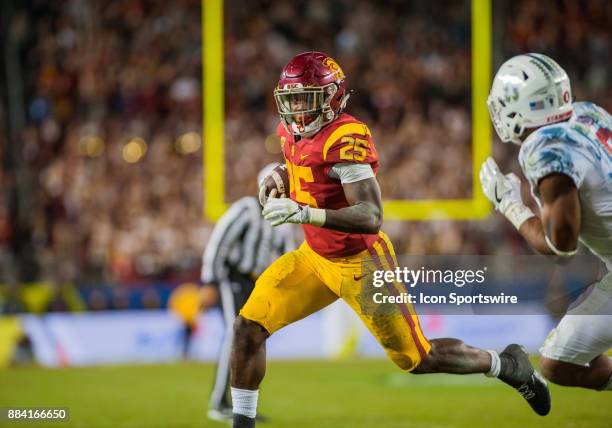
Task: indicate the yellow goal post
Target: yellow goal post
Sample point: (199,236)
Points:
(213,99)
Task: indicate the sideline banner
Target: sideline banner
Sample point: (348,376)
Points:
(157,336)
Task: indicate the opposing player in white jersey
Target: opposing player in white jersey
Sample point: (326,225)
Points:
(566,155)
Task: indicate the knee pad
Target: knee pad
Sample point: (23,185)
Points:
(404,361)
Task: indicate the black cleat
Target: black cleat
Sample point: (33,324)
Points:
(517,371)
(241,421)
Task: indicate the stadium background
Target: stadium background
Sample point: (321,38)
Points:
(101,194)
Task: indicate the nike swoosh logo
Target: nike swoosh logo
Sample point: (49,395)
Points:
(497,198)
(360,277)
(302,157)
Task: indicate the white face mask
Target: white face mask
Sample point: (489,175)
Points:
(305,110)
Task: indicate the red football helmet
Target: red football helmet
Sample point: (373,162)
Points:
(311,93)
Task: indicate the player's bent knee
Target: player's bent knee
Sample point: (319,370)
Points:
(561,373)
(553,370)
(248,335)
(411,359)
(404,361)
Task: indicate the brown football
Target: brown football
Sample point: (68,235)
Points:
(278,179)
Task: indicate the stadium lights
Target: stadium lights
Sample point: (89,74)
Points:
(134,150)
(272,144)
(91,146)
(189,142)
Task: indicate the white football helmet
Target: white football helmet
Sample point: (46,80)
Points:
(528,91)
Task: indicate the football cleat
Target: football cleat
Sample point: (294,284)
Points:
(517,371)
(220,415)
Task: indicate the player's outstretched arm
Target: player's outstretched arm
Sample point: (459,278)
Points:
(556,233)
(364,213)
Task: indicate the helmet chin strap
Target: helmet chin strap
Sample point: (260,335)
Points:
(303,133)
(295,129)
(517,138)
(344,100)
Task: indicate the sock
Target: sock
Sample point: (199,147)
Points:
(245,402)
(495,364)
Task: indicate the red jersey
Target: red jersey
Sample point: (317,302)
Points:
(309,161)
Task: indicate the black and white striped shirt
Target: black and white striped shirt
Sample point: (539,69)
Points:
(244,242)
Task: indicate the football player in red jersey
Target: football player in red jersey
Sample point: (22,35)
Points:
(332,163)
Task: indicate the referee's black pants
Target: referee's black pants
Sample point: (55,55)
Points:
(233,295)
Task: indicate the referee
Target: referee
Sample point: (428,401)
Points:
(240,248)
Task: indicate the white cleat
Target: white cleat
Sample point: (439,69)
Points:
(220,415)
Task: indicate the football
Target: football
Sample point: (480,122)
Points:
(277,179)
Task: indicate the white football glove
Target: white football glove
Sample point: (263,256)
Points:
(504,191)
(284,210)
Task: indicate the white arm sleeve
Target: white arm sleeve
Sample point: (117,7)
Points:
(351,172)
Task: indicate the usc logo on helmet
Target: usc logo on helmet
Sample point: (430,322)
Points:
(334,67)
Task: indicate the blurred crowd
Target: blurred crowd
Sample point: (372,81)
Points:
(112,142)
(113,139)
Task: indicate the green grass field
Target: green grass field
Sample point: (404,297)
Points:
(355,394)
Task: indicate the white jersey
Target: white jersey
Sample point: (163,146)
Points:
(580,148)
